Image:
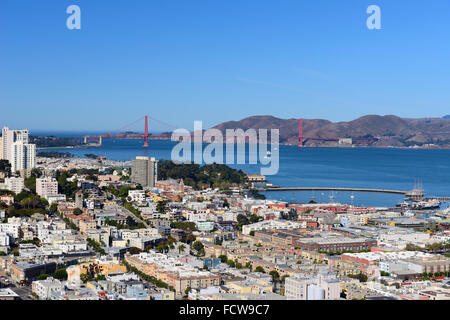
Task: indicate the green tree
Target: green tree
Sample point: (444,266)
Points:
(5,167)
(275,275)
(259,269)
(30,183)
(198,246)
(54,207)
(242,219)
(100,277)
(231,263)
(134,250)
(162,248)
(60,274)
(43,276)
(181,248)
(85,277)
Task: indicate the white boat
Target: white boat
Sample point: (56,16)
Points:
(426,205)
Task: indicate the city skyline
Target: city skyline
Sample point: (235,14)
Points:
(219,61)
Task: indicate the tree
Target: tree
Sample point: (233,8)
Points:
(30,183)
(223,258)
(259,269)
(85,277)
(188,289)
(362,277)
(190,238)
(275,275)
(254,218)
(412,247)
(242,219)
(231,263)
(43,276)
(162,248)
(60,274)
(54,207)
(197,246)
(100,277)
(77,211)
(181,248)
(134,250)
(5,167)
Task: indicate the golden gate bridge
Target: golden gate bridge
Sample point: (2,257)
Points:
(300,140)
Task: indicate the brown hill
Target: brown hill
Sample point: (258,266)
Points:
(387,130)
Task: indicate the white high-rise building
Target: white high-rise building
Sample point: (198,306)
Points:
(9,137)
(17,150)
(1,148)
(23,156)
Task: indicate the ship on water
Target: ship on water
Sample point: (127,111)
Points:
(426,205)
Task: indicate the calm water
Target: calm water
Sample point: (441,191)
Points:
(324,167)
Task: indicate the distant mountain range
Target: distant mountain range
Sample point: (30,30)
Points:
(372,130)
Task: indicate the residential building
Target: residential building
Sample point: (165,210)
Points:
(23,156)
(144,171)
(46,186)
(172,271)
(86,225)
(9,137)
(324,286)
(14,184)
(45,289)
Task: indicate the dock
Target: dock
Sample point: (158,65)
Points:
(401,192)
(415,195)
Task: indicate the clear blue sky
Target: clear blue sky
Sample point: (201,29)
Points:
(219,60)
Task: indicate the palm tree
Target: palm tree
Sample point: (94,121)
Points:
(181,248)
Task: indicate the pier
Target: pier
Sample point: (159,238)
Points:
(415,195)
(333,189)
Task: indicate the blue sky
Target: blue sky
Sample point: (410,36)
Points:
(217,60)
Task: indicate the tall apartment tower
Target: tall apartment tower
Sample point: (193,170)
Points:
(144,171)
(23,156)
(17,149)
